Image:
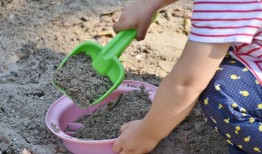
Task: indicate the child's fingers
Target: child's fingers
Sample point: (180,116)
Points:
(141,34)
(117,27)
(121,25)
(124,127)
(116,146)
(142,31)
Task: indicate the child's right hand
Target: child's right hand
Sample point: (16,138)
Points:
(137,16)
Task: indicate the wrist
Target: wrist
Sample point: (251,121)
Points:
(152,132)
(154,5)
(158,4)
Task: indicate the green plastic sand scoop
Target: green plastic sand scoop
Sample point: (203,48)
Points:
(105,58)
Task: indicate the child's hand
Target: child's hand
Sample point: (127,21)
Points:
(133,139)
(136,16)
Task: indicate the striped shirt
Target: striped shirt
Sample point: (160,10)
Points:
(236,21)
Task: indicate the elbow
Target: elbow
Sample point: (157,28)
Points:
(194,85)
(189,83)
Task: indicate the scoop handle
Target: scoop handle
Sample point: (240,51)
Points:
(119,43)
(113,50)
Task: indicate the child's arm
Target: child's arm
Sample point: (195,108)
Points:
(175,98)
(139,15)
(180,89)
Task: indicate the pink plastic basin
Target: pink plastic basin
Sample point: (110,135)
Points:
(63,113)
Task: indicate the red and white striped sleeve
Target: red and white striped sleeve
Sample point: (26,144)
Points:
(220,21)
(235,21)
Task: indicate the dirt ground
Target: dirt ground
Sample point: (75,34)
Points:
(35,35)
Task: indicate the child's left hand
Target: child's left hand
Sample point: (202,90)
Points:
(133,139)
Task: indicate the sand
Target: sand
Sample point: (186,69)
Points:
(36,35)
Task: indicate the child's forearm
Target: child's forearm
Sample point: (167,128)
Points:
(171,105)
(179,91)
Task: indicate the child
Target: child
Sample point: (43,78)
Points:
(228,88)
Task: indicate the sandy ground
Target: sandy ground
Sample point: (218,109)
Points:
(36,35)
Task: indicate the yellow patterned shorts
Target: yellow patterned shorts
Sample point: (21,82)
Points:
(232,102)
